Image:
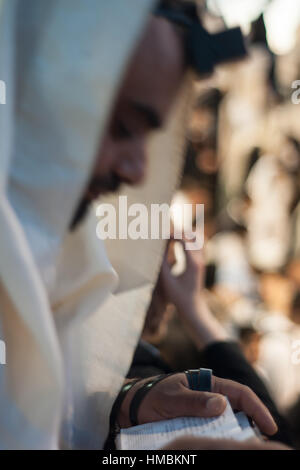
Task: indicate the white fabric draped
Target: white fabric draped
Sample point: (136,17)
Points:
(69,331)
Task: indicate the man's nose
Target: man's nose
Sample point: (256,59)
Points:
(131,166)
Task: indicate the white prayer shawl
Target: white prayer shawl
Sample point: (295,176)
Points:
(69,333)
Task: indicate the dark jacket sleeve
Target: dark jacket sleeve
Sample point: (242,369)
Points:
(227,361)
(146,364)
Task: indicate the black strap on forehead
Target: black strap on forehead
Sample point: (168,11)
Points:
(204,50)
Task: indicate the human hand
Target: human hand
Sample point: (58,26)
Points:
(186,293)
(172,398)
(183,290)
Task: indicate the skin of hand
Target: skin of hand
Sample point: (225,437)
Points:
(158,316)
(185,291)
(172,398)
(203,443)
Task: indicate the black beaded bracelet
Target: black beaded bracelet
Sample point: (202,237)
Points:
(113,425)
(140,395)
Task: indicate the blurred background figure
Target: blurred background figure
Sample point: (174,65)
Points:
(250,341)
(243,164)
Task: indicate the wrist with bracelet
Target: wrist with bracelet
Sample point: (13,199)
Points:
(199,379)
(114,427)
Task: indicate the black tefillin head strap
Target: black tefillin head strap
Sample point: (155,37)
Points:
(204,50)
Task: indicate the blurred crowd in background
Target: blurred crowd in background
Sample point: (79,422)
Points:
(243,164)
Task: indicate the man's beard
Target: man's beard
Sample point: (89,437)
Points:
(96,187)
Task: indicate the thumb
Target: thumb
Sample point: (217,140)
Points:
(201,404)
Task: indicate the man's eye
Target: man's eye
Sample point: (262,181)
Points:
(122,132)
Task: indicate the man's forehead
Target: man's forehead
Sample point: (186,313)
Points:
(155,72)
(161,46)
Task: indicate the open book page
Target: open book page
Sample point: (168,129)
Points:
(153,436)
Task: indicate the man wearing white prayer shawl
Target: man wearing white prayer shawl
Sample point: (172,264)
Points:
(70,318)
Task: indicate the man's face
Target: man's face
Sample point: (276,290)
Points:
(144,100)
